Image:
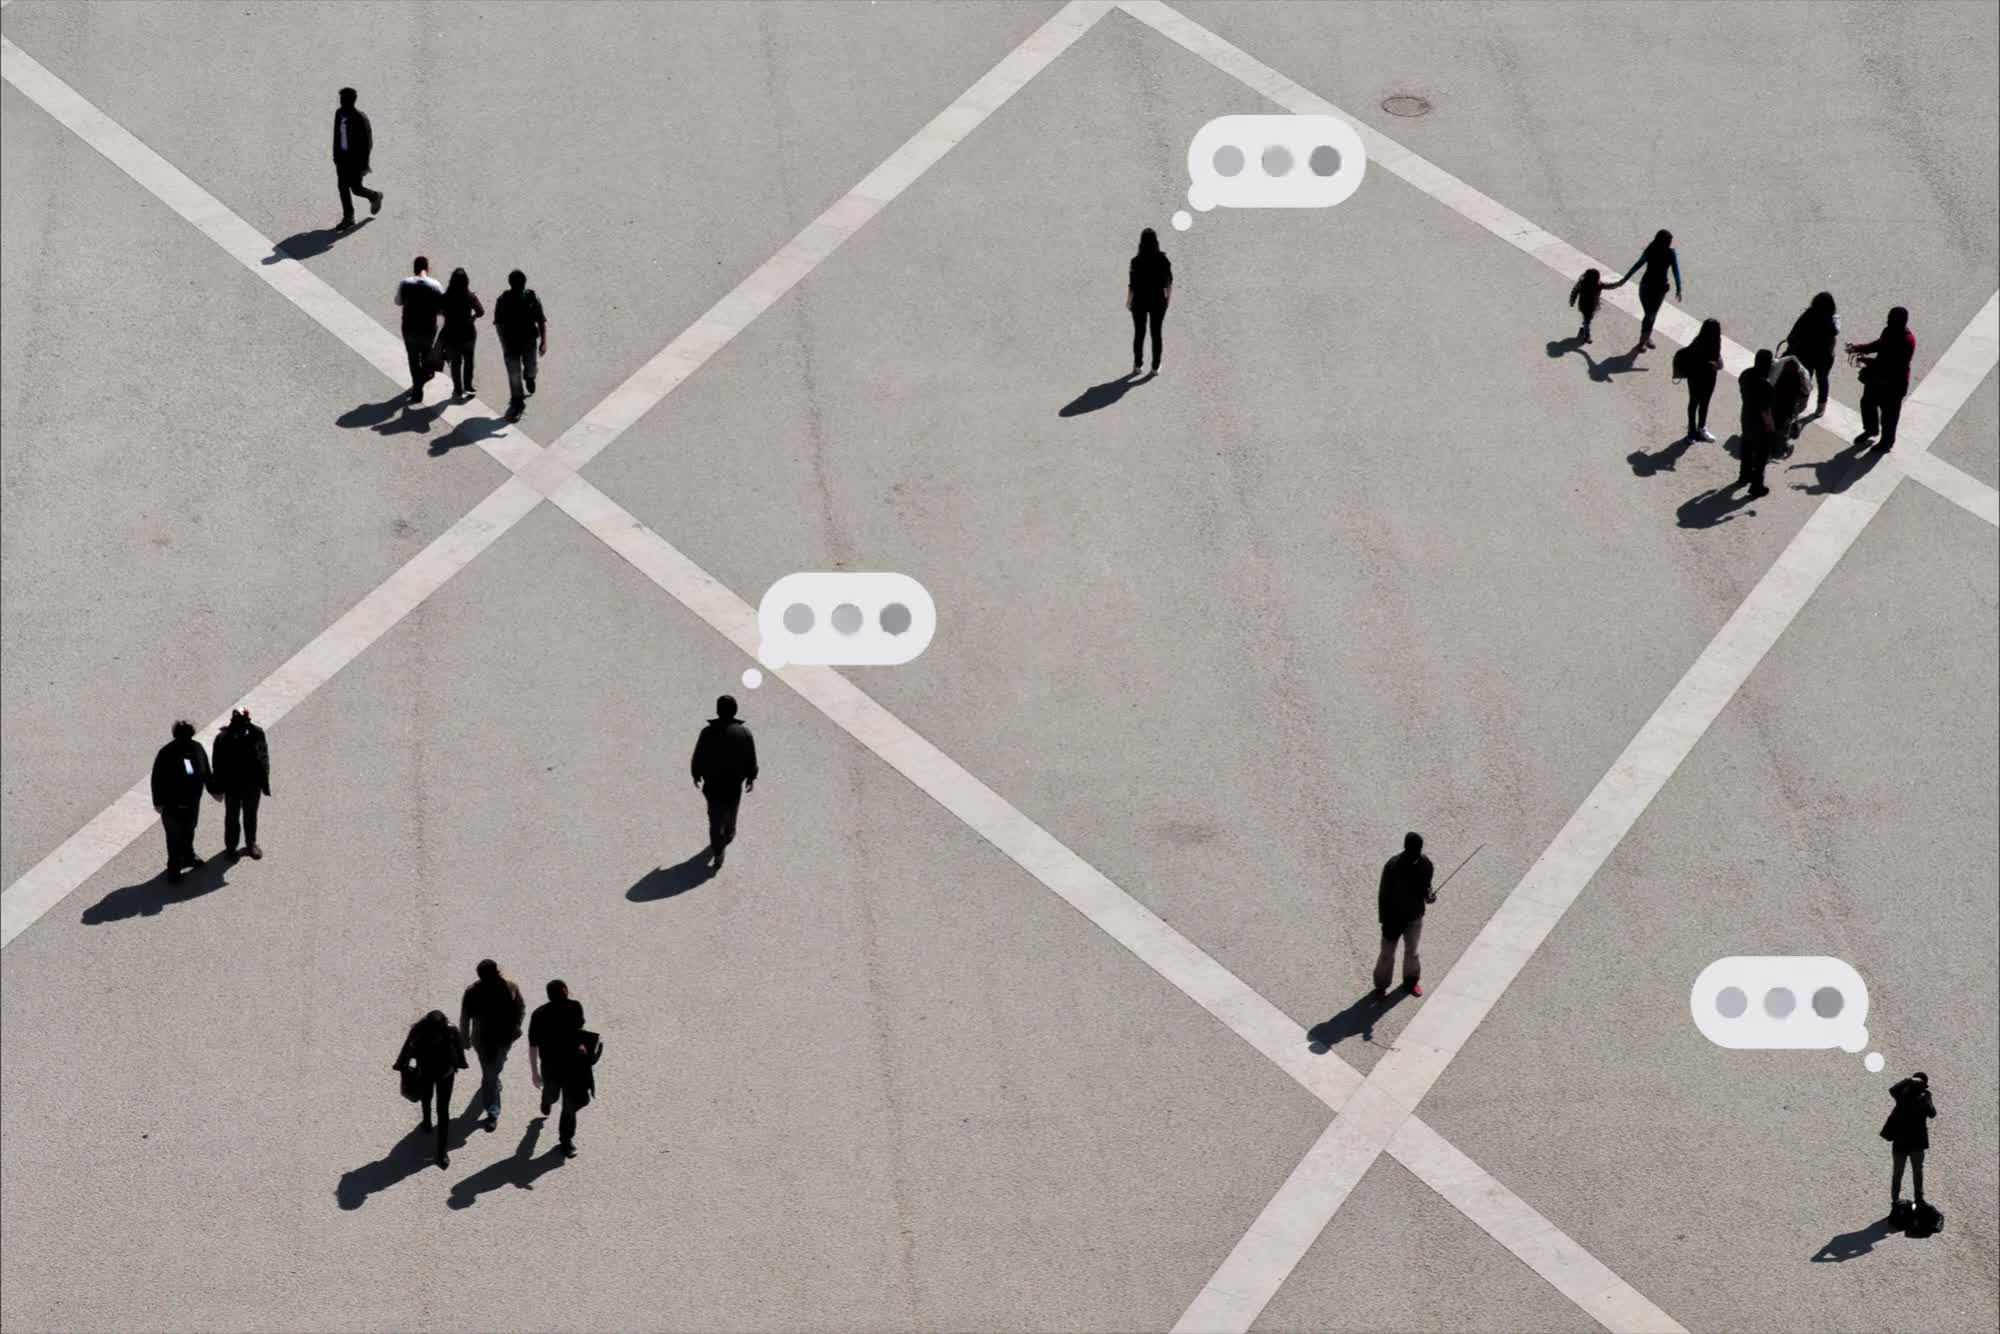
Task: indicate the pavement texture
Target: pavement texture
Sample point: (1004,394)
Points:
(1380,548)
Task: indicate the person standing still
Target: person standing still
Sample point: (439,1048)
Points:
(1756,426)
(724,767)
(524,337)
(1149,285)
(242,777)
(422,301)
(180,779)
(489,1018)
(1814,339)
(1885,377)
(353,143)
(1660,261)
(435,1051)
(1909,1134)
(556,1059)
(460,307)
(1699,363)
(1399,904)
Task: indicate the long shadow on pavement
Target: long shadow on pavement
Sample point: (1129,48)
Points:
(146,898)
(1645,465)
(1358,1018)
(664,882)
(303,246)
(1101,395)
(520,1171)
(468,432)
(1711,508)
(393,416)
(1851,1245)
(1838,472)
(413,1153)
(1600,371)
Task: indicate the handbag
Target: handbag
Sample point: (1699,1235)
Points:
(413,1084)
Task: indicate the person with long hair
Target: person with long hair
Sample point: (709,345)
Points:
(1660,261)
(1814,339)
(1149,285)
(1885,377)
(461,307)
(1699,363)
(434,1053)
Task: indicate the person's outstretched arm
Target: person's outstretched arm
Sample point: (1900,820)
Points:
(1629,272)
(1674,258)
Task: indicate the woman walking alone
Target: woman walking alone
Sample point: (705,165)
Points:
(455,340)
(1149,284)
(433,1054)
(1814,339)
(1699,363)
(1660,261)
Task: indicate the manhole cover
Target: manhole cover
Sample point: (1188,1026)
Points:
(1403,104)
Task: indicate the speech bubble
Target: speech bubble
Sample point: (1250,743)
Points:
(844,620)
(1785,1002)
(1274,162)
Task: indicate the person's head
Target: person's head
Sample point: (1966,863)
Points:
(517,280)
(1898,317)
(1413,843)
(183,730)
(347,97)
(239,717)
(1923,1080)
(1149,242)
(435,1019)
(1663,241)
(725,706)
(1710,337)
(1823,303)
(420,265)
(1763,358)
(1591,278)
(558,989)
(488,970)
(459,282)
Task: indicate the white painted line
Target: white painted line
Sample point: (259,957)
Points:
(1672,323)
(825,234)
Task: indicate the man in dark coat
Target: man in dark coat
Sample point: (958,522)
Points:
(1909,1134)
(556,1059)
(242,778)
(490,1017)
(1399,905)
(180,778)
(724,768)
(353,142)
(1757,425)
(524,339)
(1885,377)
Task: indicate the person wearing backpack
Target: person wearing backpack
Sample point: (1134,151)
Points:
(1909,1135)
(489,1020)
(559,1061)
(1699,363)
(523,331)
(431,1058)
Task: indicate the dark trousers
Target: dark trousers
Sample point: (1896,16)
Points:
(1142,317)
(520,372)
(350,186)
(1882,404)
(179,822)
(1897,1157)
(552,1089)
(1756,446)
(240,806)
(1409,933)
(1650,303)
(1701,388)
(722,817)
(440,1092)
(491,1060)
(1823,375)
(417,344)
(458,360)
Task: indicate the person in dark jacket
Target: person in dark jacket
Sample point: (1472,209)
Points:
(180,780)
(1757,430)
(557,1061)
(523,331)
(1885,377)
(1909,1134)
(1699,363)
(1814,339)
(242,778)
(1661,261)
(460,307)
(353,143)
(724,767)
(435,1051)
(1149,286)
(422,301)
(489,1019)
(1399,905)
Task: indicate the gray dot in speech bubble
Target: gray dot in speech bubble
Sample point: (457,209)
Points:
(798,618)
(1325,160)
(1778,1002)
(847,618)
(1730,1002)
(1828,1002)
(1277,160)
(895,618)
(1228,160)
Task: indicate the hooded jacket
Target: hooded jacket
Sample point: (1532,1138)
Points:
(725,757)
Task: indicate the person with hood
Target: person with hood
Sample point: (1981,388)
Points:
(489,1020)
(1757,428)
(431,1058)
(1661,261)
(1399,906)
(180,780)
(724,767)
(1814,339)
(1885,377)
(1909,1134)
(1149,285)
(242,778)
(353,144)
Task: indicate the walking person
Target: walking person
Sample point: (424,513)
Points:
(422,301)
(353,142)
(1660,261)
(1149,285)
(523,331)
(1885,377)
(724,767)
(242,778)
(432,1055)
(1399,904)
(1586,296)
(1699,363)
(489,1019)
(460,307)
(180,780)
(1909,1134)
(1757,428)
(1814,339)
(557,1061)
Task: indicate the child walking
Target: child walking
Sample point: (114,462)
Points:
(1584,296)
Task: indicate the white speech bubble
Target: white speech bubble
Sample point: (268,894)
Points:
(1274,162)
(844,620)
(1781,1003)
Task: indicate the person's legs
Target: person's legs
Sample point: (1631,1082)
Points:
(1871,408)
(566,1126)
(1157,317)
(470,343)
(347,182)
(1892,413)
(454,362)
(251,800)
(551,1089)
(516,395)
(179,826)
(1650,303)
(492,1058)
(1693,393)
(1917,1173)
(1385,961)
(1705,391)
(417,349)
(729,808)
(530,361)
(444,1116)
(1413,967)
(232,817)
(1138,337)
(1896,1158)
(1824,375)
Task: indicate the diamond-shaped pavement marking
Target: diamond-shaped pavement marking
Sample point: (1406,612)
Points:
(1972,440)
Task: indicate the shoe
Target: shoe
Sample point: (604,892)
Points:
(256,853)
(444,1160)
(1649,345)
(1864,437)
(416,396)
(491,1123)
(568,1150)
(1757,491)
(1886,445)
(426,1125)
(1156,368)
(513,412)
(344,225)
(1416,988)
(457,391)
(718,859)
(232,854)
(173,875)
(469,390)
(1378,994)
(1704,435)
(195,862)
(528,385)
(375,204)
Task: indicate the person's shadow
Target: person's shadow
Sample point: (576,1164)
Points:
(1837,472)
(469,431)
(521,1171)
(393,416)
(664,882)
(1851,1245)
(1646,465)
(1600,370)
(1101,395)
(146,898)
(303,246)
(413,1153)
(1358,1018)
(1712,508)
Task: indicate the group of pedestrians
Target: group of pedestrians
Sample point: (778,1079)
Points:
(239,777)
(440,333)
(562,1055)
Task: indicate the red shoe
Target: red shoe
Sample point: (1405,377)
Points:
(1416,988)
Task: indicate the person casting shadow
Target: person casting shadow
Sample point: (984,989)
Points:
(146,898)
(521,1171)
(1660,261)
(1149,287)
